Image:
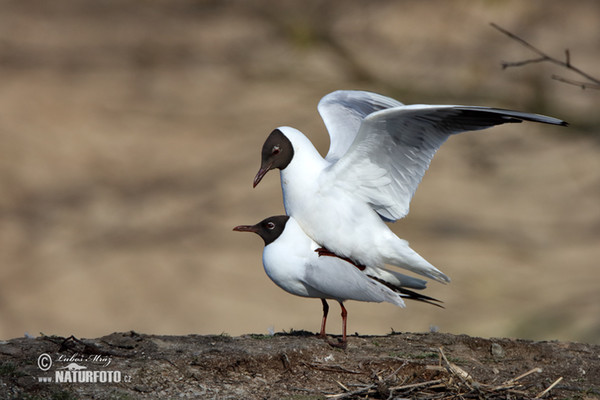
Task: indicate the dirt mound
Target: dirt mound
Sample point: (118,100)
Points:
(296,365)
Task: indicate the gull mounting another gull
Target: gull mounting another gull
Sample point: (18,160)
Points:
(379,152)
(298,265)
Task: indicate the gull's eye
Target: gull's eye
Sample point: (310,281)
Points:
(275,150)
(270,225)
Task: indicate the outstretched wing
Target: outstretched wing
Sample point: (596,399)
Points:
(393,149)
(343,112)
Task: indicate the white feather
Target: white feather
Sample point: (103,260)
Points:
(293,265)
(380,150)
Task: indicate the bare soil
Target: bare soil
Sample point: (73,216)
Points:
(297,365)
(130,133)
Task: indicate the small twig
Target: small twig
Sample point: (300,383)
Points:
(332,368)
(364,389)
(416,385)
(513,382)
(542,394)
(456,370)
(340,384)
(507,64)
(518,39)
(350,394)
(582,85)
(593,83)
(390,376)
(531,371)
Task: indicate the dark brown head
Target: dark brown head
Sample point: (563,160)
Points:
(269,229)
(277,152)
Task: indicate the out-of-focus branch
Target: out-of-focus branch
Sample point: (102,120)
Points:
(592,83)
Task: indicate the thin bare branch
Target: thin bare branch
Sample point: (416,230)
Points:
(582,85)
(593,83)
(520,40)
(507,64)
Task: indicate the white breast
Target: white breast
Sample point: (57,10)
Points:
(285,260)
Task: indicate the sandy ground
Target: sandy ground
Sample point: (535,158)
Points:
(131,133)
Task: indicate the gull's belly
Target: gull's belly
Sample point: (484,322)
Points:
(348,228)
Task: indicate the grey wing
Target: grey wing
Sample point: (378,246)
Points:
(395,278)
(333,278)
(343,112)
(394,148)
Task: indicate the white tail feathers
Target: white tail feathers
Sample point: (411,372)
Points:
(407,258)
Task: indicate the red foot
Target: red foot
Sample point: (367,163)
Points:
(340,344)
(322,251)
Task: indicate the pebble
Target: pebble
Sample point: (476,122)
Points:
(497,350)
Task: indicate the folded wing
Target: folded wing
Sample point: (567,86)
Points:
(333,278)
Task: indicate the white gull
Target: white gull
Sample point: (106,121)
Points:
(291,260)
(379,152)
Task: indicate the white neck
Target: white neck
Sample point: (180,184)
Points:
(302,173)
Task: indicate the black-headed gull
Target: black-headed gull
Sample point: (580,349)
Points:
(291,260)
(379,152)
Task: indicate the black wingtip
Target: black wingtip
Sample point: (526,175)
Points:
(410,295)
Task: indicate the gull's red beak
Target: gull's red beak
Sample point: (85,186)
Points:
(261,173)
(245,228)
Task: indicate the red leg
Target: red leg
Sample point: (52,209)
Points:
(324,321)
(344,321)
(343,343)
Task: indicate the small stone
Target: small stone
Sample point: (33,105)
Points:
(497,350)
(142,388)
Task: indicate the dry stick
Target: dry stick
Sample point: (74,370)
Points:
(363,389)
(508,385)
(542,394)
(456,370)
(350,394)
(593,84)
(531,371)
(331,368)
(511,383)
(416,385)
(341,385)
(395,388)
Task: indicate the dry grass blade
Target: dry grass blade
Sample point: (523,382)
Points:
(417,385)
(331,368)
(350,394)
(531,371)
(513,382)
(452,382)
(455,369)
(549,388)
(368,388)
(340,384)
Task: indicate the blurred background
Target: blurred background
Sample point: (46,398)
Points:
(130,133)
